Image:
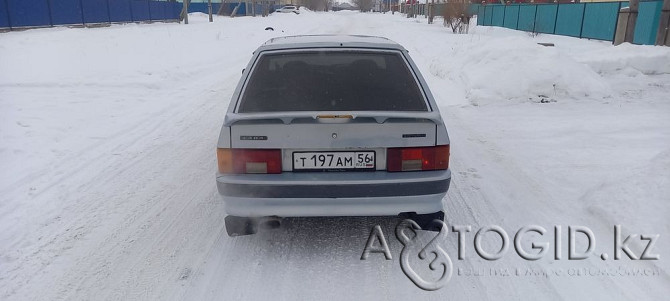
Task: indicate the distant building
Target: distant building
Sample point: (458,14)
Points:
(344,6)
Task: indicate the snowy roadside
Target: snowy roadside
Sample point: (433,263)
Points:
(107,139)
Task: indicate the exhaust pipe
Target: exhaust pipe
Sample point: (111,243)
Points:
(271,222)
(240,226)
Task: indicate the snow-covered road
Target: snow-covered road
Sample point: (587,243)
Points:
(107,152)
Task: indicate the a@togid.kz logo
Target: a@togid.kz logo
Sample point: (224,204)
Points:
(416,254)
(438,259)
(441,261)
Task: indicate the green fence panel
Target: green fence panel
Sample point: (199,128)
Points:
(511,16)
(588,20)
(473,9)
(498,15)
(480,15)
(438,9)
(545,20)
(600,20)
(488,14)
(569,19)
(527,17)
(646,25)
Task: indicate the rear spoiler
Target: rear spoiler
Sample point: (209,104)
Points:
(288,117)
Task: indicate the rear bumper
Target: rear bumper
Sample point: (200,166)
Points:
(334,194)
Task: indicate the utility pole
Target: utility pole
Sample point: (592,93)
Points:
(632,19)
(431,11)
(663,33)
(209,10)
(185,11)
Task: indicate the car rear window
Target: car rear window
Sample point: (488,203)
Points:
(331,81)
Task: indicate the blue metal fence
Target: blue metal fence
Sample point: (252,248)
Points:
(27,13)
(488,14)
(545,18)
(526,18)
(646,25)
(511,17)
(119,11)
(600,20)
(95,11)
(4,14)
(66,12)
(41,13)
(584,20)
(202,7)
(140,10)
(498,15)
(569,20)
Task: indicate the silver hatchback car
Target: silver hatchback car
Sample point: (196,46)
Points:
(331,125)
(288,9)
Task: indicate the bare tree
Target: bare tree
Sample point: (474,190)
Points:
(456,16)
(317,5)
(183,15)
(325,5)
(364,5)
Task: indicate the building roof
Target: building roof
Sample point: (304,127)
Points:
(329,41)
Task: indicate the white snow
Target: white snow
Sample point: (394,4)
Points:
(107,140)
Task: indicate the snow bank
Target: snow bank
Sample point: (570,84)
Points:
(517,68)
(645,59)
(642,193)
(498,64)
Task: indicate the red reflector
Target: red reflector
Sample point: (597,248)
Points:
(256,160)
(417,158)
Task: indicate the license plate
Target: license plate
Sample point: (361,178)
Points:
(334,160)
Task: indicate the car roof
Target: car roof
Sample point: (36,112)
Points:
(329,41)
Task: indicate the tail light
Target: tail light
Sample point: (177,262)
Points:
(236,160)
(417,158)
